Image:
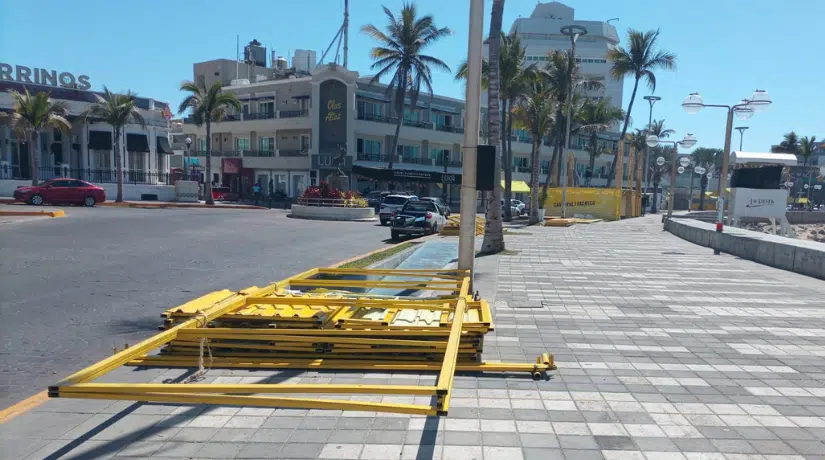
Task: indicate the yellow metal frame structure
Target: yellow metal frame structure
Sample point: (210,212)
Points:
(325,333)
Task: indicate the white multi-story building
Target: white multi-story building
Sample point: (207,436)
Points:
(540,33)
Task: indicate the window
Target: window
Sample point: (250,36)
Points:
(442,119)
(411,114)
(266,107)
(439,155)
(241,143)
(305,144)
(367,146)
(266,144)
(408,151)
(58,136)
(201,145)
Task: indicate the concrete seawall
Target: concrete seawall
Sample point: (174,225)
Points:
(799,256)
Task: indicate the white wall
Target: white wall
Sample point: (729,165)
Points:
(131,192)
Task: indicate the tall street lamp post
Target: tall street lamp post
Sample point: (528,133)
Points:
(574,32)
(467,229)
(688,142)
(651,100)
(741,130)
(759,102)
(187,155)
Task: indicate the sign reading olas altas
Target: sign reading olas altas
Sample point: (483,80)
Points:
(45,77)
(332,132)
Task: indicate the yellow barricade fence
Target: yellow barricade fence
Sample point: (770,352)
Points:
(598,203)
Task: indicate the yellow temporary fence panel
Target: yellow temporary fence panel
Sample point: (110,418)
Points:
(591,203)
(517,186)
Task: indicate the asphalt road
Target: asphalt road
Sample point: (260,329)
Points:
(73,288)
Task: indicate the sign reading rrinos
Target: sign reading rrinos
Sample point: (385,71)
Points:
(45,77)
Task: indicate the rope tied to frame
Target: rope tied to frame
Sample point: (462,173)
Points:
(202,319)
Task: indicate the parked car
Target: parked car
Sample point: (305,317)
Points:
(514,210)
(223,194)
(392,203)
(417,218)
(518,204)
(440,203)
(61,191)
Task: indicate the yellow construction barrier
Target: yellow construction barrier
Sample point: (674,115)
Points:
(589,203)
(322,319)
(454,223)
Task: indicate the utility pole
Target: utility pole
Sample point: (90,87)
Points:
(346,31)
(467,231)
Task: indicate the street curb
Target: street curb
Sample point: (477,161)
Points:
(56,213)
(161,205)
(148,205)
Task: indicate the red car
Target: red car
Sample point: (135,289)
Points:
(61,191)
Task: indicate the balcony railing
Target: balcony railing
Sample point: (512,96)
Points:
(259,116)
(231,118)
(413,160)
(440,162)
(378,118)
(373,157)
(522,169)
(294,113)
(449,129)
(293,153)
(259,153)
(225,153)
(418,124)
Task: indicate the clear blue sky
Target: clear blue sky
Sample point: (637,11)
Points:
(725,48)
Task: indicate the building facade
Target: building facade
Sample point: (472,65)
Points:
(540,33)
(87,152)
(296,131)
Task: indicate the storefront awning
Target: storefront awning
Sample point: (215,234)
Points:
(136,143)
(163,145)
(518,186)
(100,140)
(407,175)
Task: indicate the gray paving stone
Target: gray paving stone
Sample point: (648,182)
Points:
(538,440)
(536,453)
(301,450)
(582,454)
(221,450)
(385,437)
(260,450)
(500,439)
(615,443)
(577,442)
(462,438)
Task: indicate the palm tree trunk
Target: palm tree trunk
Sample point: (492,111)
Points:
(35,171)
(703,185)
(493,232)
(207,179)
(118,166)
(508,167)
(534,180)
(624,128)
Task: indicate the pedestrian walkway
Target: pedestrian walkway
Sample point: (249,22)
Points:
(664,352)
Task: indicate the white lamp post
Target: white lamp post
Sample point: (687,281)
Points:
(758,102)
(687,142)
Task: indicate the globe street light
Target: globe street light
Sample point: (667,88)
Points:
(758,102)
(574,32)
(741,130)
(687,142)
(651,100)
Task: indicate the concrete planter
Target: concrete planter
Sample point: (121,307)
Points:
(332,213)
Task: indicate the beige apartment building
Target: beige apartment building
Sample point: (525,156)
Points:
(297,128)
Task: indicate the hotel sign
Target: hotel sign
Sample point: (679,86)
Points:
(45,77)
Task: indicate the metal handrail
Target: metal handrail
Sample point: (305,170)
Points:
(293,153)
(293,113)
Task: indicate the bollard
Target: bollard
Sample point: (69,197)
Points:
(720,210)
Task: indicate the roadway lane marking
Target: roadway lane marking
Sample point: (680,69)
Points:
(23,406)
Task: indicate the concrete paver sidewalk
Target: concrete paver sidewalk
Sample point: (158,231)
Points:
(664,351)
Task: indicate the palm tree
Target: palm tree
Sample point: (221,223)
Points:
(493,232)
(639,60)
(399,53)
(118,110)
(657,128)
(535,112)
(562,74)
(512,79)
(807,145)
(789,144)
(207,105)
(710,159)
(597,117)
(31,115)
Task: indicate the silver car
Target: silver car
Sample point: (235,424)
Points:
(391,204)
